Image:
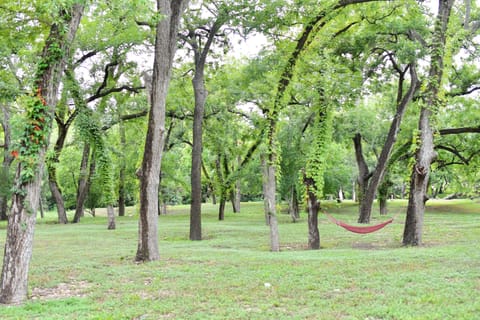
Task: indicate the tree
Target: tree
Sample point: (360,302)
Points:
(200,36)
(425,153)
(33,145)
(165,45)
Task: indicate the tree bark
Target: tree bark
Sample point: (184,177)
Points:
(121,178)
(270,202)
(7,161)
(83,184)
(363,172)
(52,172)
(200,93)
(293,209)
(313,208)
(196,171)
(412,235)
(370,185)
(165,46)
(111,217)
(25,200)
(221,208)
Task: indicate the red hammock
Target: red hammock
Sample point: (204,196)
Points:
(359,229)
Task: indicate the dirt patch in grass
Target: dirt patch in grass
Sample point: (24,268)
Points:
(70,289)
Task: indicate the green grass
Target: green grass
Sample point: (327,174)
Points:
(84,271)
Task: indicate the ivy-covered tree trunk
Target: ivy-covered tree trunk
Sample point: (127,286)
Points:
(25,202)
(6,163)
(165,46)
(425,154)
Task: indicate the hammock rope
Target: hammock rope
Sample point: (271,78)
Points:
(358,229)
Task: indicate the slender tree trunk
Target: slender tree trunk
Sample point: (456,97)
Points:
(111,217)
(363,172)
(371,185)
(200,93)
(264,187)
(293,209)
(165,45)
(233,200)
(25,201)
(62,130)
(196,173)
(83,181)
(238,191)
(6,163)
(121,178)
(425,154)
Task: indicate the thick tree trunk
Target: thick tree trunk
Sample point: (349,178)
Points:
(418,182)
(111,217)
(25,201)
(221,209)
(313,208)
(370,190)
(83,183)
(425,154)
(270,204)
(196,173)
(165,45)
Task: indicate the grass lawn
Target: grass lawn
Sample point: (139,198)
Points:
(85,271)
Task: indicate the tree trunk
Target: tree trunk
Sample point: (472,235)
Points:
(62,130)
(238,191)
(7,162)
(200,94)
(83,182)
(293,209)
(270,203)
(165,45)
(111,217)
(363,172)
(313,208)
(233,200)
(425,154)
(58,198)
(25,200)
(121,178)
(370,190)
(196,172)
(221,209)
(264,187)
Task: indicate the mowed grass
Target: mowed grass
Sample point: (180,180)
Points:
(84,271)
